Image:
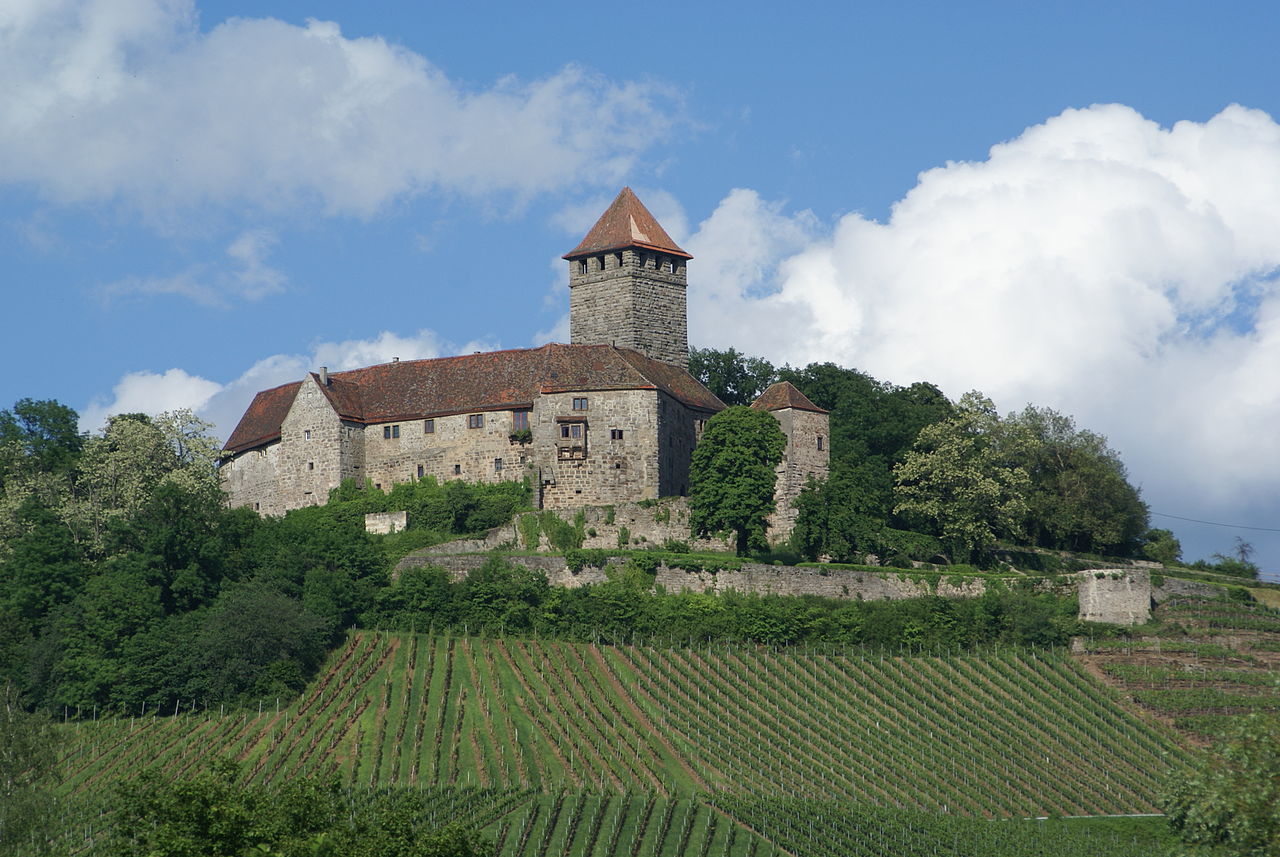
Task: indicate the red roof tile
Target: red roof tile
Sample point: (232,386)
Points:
(496,380)
(261,422)
(626,223)
(783,395)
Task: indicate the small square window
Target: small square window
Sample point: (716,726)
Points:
(457,470)
(428,426)
(564,430)
(389,432)
(420,471)
(306,434)
(311,465)
(580,404)
(615,434)
(497,464)
(475,421)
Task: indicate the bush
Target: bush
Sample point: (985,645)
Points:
(675,546)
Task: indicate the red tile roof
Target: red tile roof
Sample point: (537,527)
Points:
(261,422)
(783,395)
(496,380)
(626,223)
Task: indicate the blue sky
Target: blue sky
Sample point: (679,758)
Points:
(1070,204)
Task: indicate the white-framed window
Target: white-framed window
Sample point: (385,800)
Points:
(580,403)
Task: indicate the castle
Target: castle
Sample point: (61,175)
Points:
(610,418)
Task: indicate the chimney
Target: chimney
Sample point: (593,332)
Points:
(324,376)
(395,359)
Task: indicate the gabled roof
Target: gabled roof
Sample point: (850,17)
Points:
(784,395)
(626,223)
(490,381)
(261,422)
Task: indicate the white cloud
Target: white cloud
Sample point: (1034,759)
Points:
(129,100)
(249,277)
(1098,263)
(150,393)
(224,403)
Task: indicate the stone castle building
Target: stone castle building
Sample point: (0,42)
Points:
(610,418)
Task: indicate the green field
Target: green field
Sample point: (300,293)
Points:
(614,749)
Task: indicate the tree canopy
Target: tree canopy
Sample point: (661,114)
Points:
(732,475)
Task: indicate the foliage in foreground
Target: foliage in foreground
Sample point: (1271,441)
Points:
(731,475)
(212,814)
(1230,805)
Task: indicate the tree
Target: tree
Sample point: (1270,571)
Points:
(962,477)
(735,378)
(45,433)
(1231,802)
(732,475)
(1079,498)
(1161,546)
(28,760)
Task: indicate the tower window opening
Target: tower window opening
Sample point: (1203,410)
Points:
(617,260)
(819,441)
(601,261)
(582,266)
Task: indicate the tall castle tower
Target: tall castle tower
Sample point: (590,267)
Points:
(627,285)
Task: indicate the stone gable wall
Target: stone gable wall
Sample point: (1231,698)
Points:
(252,479)
(311,440)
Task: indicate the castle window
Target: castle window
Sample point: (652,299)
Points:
(601,260)
(819,441)
(580,404)
(311,465)
(617,260)
(420,471)
(457,470)
(389,432)
(615,434)
(571,430)
(497,464)
(520,420)
(257,507)
(306,434)
(475,421)
(582,266)
(428,426)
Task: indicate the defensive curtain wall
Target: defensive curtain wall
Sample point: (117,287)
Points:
(1117,595)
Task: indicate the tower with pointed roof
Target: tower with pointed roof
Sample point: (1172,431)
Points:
(627,285)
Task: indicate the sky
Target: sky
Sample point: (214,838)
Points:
(1069,204)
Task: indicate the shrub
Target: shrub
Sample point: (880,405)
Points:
(530,530)
(624,537)
(675,546)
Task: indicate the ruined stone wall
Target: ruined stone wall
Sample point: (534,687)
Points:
(631,299)
(1120,597)
(753,578)
(385,523)
(808,453)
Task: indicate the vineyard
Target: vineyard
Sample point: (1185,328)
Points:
(1212,662)
(585,749)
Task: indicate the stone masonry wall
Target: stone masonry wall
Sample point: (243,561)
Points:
(311,439)
(251,479)
(1120,597)
(612,469)
(631,299)
(807,454)
(453,449)
(384,523)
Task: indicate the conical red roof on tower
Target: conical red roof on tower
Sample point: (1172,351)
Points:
(627,223)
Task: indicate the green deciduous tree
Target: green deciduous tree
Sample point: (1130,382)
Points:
(1231,802)
(735,378)
(732,475)
(28,755)
(964,478)
(1079,498)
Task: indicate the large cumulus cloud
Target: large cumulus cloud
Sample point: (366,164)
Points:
(130,100)
(1098,263)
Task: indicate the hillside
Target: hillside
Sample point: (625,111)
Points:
(633,729)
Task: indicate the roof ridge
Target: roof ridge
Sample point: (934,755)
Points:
(626,223)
